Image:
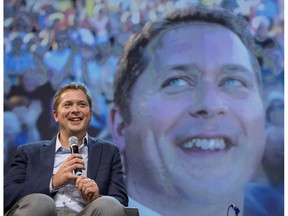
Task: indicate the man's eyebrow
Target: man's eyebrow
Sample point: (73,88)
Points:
(71,101)
(67,101)
(179,69)
(193,68)
(183,67)
(83,101)
(237,68)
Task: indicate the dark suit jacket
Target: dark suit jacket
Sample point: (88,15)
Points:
(33,165)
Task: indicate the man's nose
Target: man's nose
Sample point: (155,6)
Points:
(75,108)
(208,103)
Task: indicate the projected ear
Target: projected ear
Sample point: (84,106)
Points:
(117,126)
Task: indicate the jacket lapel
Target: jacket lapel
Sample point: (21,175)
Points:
(94,155)
(47,155)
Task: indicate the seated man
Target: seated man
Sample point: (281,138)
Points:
(41,180)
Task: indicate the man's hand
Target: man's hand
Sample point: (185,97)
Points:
(87,188)
(65,172)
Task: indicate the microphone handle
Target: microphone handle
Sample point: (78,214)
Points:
(78,172)
(75,149)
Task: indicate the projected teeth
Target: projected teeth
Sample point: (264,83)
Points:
(205,144)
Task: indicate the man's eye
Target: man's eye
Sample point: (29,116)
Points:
(83,105)
(232,82)
(174,82)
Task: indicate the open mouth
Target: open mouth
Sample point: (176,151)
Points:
(204,144)
(76,119)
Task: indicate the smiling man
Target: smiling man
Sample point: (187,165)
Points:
(41,180)
(189,116)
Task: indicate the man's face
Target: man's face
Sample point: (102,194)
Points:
(197,125)
(73,113)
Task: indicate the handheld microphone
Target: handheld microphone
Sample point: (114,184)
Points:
(73,142)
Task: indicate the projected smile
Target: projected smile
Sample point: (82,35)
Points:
(205,144)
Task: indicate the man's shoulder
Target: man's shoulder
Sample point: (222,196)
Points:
(36,144)
(102,142)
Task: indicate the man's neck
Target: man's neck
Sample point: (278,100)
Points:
(64,140)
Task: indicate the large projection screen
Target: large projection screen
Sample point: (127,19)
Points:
(50,43)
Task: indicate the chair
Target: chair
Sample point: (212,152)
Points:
(131,211)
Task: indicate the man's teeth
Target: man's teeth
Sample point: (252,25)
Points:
(75,119)
(205,144)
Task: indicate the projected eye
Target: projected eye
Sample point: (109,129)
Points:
(233,82)
(175,82)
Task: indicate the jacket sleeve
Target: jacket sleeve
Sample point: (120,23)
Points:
(24,177)
(117,187)
(109,174)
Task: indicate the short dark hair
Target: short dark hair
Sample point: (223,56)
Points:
(134,61)
(72,85)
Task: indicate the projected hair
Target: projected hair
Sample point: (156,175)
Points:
(135,60)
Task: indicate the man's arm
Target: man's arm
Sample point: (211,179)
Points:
(25,176)
(117,187)
(109,176)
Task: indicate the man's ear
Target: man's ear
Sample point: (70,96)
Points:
(55,114)
(117,127)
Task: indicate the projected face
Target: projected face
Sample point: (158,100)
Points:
(197,126)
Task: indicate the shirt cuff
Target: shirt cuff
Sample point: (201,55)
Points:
(50,187)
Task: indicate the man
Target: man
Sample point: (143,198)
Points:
(41,180)
(189,116)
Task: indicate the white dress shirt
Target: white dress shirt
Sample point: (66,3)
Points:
(69,196)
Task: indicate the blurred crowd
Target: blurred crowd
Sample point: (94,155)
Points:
(48,43)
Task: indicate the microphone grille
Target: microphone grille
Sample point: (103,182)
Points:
(73,140)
